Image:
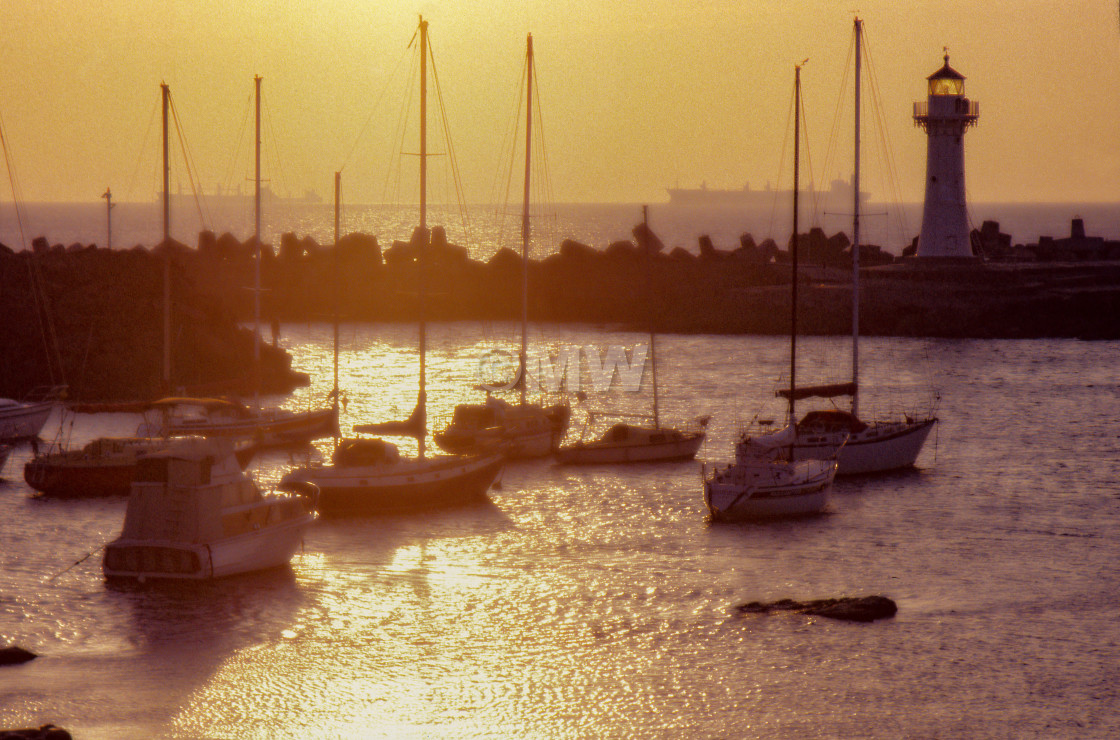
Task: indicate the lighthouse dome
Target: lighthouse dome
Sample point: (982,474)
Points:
(946,81)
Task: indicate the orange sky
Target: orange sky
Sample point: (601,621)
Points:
(636,95)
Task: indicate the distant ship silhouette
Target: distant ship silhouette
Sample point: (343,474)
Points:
(237,199)
(748,198)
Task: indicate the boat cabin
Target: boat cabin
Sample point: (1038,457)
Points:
(473,416)
(829,421)
(365,452)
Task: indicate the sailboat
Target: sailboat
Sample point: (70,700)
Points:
(369,475)
(219,417)
(525,429)
(624,443)
(864,446)
(757,487)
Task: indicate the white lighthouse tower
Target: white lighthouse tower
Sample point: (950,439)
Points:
(945,116)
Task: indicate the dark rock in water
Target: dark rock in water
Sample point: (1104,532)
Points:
(46,732)
(14,655)
(849,609)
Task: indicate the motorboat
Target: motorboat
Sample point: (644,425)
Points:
(193,514)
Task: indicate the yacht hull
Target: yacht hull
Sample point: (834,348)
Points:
(79,481)
(405,487)
(602,453)
(882,447)
(769,490)
(266,430)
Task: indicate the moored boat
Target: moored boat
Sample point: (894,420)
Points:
(193,514)
(861,446)
(626,443)
(103,467)
(368,476)
(20,420)
(769,489)
(220,417)
(525,429)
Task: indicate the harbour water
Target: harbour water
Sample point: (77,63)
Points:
(599,602)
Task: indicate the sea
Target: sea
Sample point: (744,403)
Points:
(600,602)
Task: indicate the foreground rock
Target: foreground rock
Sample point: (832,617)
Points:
(849,609)
(46,732)
(14,655)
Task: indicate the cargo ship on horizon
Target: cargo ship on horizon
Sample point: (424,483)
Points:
(839,190)
(235,198)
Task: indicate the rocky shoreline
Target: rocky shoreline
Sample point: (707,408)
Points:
(103,309)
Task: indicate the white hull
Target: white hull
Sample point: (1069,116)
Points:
(24,421)
(595,453)
(769,489)
(265,548)
(881,447)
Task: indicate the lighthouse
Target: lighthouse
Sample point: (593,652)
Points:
(945,116)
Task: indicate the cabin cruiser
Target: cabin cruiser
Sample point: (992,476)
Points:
(193,514)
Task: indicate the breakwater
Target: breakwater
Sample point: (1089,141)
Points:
(94,316)
(93,319)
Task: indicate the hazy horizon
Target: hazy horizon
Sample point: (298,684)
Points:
(634,97)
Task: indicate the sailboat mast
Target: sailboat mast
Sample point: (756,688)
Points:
(422,259)
(166,96)
(337,213)
(649,308)
(855,233)
(793,246)
(525,212)
(257,238)
(423,123)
